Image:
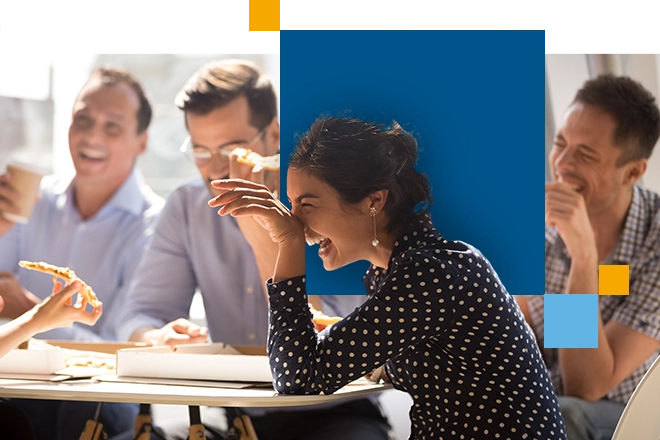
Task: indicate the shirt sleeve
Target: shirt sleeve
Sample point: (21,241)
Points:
(9,249)
(107,328)
(341,305)
(399,315)
(641,309)
(164,284)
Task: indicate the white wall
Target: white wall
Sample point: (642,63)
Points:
(69,74)
(646,69)
(565,75)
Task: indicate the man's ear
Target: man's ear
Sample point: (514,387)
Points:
(272,136)
(635,170)
(144,140)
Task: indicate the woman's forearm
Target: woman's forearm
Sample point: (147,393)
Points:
(17,331)
(290,259)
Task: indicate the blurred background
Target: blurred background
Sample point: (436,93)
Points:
(565,75)
(37,95)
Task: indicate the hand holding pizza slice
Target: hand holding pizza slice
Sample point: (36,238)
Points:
(67,275)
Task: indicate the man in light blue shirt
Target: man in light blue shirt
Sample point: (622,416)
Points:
(227,105)
(96,223)
(104,250)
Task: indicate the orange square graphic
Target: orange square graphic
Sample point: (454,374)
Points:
(264,15)
(613,279)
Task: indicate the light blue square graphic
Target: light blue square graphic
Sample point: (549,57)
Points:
(571,321)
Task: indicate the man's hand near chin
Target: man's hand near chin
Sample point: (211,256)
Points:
(565,210)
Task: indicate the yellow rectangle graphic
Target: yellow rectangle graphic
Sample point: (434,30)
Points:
(264,15)
(613,279)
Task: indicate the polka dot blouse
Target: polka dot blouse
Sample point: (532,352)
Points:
(448,333)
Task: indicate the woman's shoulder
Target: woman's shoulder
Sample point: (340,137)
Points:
(447,258)
(421,240)
(443,253)
(421,244)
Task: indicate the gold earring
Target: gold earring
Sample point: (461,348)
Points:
(375,241)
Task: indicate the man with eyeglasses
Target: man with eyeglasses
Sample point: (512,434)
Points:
(96,222)
(229,104)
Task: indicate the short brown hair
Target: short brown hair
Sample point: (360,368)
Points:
(634,109)
(115,75)
(217,83)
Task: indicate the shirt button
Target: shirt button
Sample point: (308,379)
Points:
(252,336)
(249,289)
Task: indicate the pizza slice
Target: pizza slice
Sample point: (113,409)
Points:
(249,157)
(67,275)
(321,320)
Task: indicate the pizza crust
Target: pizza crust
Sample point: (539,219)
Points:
(67,275)
(321,320)
(249,157)
(90,361)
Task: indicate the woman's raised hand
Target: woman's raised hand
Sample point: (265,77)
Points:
(245,198)
(58,311)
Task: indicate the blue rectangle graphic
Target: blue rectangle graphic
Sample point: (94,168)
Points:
(475,102)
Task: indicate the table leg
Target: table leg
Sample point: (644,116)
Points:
(93,429)
(243,424)
(144,427)
(196,431)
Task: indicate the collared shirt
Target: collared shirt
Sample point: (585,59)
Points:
(193,247)
(638,247)
(445,328)
(103,250)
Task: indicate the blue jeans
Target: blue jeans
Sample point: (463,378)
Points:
(62,420)
(589,420)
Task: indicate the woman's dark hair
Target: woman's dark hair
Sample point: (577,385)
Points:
(357,158)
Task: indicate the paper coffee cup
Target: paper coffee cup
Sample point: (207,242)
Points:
(25,179)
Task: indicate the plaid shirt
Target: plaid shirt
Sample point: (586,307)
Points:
(639,247)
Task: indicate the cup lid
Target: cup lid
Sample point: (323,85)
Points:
(28,167)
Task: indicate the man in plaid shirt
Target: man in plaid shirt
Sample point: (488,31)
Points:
(597,214)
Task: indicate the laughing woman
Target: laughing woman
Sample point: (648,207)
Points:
(437,316)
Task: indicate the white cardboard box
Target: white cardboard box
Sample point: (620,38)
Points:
(46,361)
(219,362)
(49,358)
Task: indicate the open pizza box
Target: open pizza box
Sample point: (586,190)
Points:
(202,362)
(60,360)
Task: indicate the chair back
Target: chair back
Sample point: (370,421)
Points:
(641,416)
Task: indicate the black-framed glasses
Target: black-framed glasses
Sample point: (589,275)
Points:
(201,156)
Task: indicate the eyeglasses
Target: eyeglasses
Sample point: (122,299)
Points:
(202,155)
